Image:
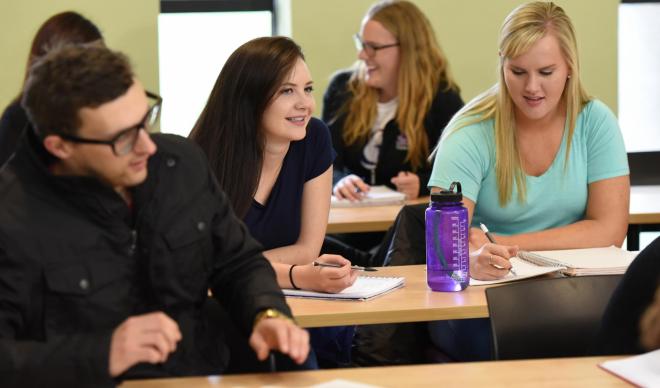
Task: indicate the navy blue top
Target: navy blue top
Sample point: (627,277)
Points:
(277,222)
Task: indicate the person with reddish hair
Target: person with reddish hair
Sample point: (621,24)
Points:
(63,28)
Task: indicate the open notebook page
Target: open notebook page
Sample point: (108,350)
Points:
(607,257)
(377,196)
(523,270)
(365,287)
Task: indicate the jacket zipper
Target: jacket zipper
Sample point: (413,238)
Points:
(133,247)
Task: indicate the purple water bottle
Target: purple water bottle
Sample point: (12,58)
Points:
(447,259)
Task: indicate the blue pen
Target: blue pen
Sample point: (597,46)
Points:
(492,240)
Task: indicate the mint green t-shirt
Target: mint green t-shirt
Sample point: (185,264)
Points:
(558,197)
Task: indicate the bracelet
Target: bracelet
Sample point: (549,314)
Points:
(291,278)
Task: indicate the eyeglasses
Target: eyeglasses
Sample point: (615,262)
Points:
(370,48)
(124,141)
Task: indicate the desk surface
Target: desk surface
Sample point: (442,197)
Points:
(413,303)
(644,209)
(564,372)
(365,219)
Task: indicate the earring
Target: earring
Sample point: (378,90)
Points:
(569,76)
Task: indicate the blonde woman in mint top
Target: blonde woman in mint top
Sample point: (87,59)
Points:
(541,163)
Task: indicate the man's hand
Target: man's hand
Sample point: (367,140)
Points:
(407,183)
(650,325)
(282,335)
(142,338)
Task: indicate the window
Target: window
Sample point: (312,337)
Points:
(639,75)
(194,40)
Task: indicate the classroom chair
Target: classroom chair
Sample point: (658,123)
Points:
(544,318)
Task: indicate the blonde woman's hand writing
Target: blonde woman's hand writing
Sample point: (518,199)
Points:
(350,187)
(491,261)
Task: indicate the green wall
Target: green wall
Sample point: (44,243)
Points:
(127,25)
(467,31)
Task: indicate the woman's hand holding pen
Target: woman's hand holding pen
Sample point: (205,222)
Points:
(491,261)
(325,279)
(350,187)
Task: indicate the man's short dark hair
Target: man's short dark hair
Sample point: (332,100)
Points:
(69,78)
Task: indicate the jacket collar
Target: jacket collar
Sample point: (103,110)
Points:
(32,162)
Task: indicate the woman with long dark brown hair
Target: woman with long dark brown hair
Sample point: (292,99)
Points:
(274,161)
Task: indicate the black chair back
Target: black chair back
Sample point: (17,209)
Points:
(544,318)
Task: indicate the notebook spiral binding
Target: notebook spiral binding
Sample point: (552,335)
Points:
(539,260)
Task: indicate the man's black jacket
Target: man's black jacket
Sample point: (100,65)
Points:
(76,261)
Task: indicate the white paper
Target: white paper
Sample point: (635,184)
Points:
(341,383)
(376,196)
(365,287)
(642,370)
(523,269)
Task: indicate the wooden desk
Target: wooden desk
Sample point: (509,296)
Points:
(365,219)
(413,303)
(644,215)
(562,372)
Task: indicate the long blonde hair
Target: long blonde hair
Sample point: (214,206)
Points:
(422,68)
(521,29)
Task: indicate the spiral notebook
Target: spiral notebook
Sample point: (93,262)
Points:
(365,287)
(570,262)
(377,196)
(581,262)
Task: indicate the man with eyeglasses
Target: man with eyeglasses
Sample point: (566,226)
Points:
(110,239)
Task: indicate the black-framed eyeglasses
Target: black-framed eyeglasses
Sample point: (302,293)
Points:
(370,48)
(124,141)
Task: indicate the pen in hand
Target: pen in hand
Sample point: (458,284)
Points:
(353,267)
(492,240)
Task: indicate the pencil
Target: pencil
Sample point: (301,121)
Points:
(492,240)
(353,267)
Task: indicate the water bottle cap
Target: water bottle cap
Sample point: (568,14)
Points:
(449,195)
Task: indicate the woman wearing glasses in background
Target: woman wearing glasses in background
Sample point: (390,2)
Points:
(389,109)
(387,112)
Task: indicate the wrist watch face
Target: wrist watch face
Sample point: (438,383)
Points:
(271,313)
